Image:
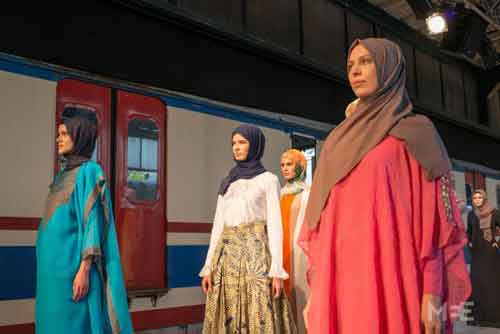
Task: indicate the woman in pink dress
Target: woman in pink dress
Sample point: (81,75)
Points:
(382,231)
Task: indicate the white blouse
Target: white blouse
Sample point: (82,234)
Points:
(248,201)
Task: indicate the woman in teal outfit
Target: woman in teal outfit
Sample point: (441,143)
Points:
(80,288)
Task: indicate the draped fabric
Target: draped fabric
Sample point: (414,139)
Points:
(386,237)
(241,300)
(78,224)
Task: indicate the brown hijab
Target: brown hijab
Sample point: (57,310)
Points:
(387,112)
(484,212)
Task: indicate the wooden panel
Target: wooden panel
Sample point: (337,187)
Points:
(453,90)
(428,81)
(276,21)
(471,96)
(324,33)
(410,63)
(226,12)
(358,27)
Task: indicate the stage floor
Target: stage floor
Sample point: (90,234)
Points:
(461,328)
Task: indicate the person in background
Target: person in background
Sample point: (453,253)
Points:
(294,195)
(243,272)
(382,231)
(80,287)
(483,225)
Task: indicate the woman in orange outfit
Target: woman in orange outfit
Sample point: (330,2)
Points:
(293,200)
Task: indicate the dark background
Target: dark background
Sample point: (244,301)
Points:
(285,56)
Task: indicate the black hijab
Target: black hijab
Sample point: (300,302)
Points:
(82,128)
(251,166)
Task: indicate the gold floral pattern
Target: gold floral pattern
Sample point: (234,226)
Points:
(241,301)
(445,196)
(60,192)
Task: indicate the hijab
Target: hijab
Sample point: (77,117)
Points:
(296,184)
(388,111)
(82,128)
(251,166)
(483,213)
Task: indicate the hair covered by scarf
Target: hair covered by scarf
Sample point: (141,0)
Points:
(295,184)
(81,126)
(483,212)
(299,161)
(251,166)
(388,111)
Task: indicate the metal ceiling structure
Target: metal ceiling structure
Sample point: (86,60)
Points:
(489,10)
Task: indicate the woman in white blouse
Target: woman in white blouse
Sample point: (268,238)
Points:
(243,273)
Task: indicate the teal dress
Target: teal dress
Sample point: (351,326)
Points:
(78,223)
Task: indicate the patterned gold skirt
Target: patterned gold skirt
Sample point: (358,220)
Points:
(241,300)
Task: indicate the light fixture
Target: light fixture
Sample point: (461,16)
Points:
(436,24)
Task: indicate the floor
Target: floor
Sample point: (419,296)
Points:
(460,328)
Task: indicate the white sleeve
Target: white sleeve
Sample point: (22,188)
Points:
(275,228)
(217,228)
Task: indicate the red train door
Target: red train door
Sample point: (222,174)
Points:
(72,93)
(140,196)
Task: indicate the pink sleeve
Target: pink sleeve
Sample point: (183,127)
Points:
(439,238)
(433,275)
(309,242)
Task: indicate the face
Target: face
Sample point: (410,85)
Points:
(362,72)
(240,147)
(287,168)
(478,200)
(64,141)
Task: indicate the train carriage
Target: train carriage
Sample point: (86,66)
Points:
(164,154)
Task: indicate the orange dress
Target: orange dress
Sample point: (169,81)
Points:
(294,260)
(286,210)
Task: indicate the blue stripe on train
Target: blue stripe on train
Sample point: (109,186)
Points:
(18,263)
(184,264)
(28,70)
(18,278)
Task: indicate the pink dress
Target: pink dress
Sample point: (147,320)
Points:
(386,237)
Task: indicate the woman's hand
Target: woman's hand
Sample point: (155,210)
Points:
(206,283)
(277,286)
(431,315)
(305,312)
(81,281)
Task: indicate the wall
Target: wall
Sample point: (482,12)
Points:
(492,184)
(199,157)
(26,142)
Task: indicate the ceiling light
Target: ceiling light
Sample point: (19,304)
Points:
(436,24)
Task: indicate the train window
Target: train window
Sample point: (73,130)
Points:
(310,154)
(498,196)
(308,147)
(142,157)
